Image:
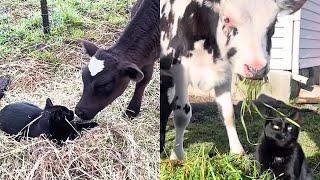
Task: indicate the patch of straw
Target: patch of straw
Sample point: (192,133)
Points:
(118,149)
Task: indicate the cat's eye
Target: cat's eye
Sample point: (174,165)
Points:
(276,127)
(289,128)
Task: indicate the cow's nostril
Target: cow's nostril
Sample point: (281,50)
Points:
(255,69)
(257,65)
(253,72)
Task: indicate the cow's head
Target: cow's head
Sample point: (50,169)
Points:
(245,29)
(104,79)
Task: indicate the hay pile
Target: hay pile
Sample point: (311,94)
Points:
(118,149)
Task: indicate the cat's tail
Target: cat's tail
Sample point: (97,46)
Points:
(4,83)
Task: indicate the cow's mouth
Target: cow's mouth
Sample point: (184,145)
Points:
(84,115)
(253,74)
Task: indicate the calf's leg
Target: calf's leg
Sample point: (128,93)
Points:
(182,111)
(167,94)
(134,106)
(223,98)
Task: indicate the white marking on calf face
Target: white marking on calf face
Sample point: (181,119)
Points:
(95,66)
(252,19)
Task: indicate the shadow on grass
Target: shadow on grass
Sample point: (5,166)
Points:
(207,129)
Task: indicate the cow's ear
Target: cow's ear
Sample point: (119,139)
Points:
(132,71)
(289,6)
(90,48)
(49,104)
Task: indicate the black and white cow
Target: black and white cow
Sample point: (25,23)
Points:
(203,42)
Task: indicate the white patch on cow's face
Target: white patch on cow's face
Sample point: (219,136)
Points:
(252,19)
(95,66)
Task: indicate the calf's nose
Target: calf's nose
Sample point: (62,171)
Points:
(79,112)
(257,70)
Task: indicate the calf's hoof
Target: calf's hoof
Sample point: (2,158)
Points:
(237,150)
(177,155)
(133,110)
(131,114)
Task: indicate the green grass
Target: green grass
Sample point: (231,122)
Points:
(206,142)
(70,20)
(207,134)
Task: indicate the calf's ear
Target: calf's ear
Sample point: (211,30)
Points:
(90,48)
(49,104)
(289,6)
(132,71)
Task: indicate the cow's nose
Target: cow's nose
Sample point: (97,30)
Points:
(257,71)
(79,112)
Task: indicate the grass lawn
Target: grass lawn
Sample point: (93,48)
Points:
(43,66)
(206,146)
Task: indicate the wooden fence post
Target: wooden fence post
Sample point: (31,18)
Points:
(45,17)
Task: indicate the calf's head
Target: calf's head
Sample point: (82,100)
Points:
(245,29)
(104,79)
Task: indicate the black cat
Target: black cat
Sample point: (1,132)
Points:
(55,122)
(280,151)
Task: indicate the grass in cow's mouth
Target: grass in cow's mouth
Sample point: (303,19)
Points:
(250,90)
(50,66)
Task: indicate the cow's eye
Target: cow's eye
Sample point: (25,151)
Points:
(104,89)
(228,22)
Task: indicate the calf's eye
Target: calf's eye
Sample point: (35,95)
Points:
(104,89)
(229,22)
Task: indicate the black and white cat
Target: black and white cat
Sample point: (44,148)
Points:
(280,152)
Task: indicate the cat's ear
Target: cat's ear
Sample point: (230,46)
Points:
(49,104)
(296,117)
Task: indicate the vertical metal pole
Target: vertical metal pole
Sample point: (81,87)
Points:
(45,17)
